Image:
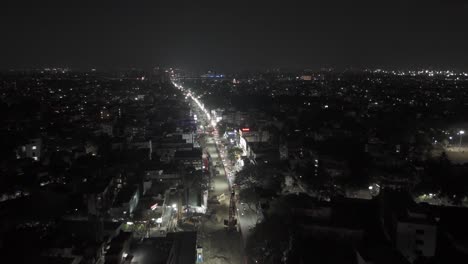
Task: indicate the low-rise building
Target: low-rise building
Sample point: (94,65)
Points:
(30,150)
(126,201)
(416,235)
(189,158)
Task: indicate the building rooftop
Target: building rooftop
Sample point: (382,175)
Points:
(126,194)
(188,154)
(184,247)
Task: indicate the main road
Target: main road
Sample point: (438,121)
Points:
(219,245)
(247,214)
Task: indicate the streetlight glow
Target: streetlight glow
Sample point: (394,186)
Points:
(461,132)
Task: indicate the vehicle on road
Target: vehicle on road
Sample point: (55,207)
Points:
(199,254)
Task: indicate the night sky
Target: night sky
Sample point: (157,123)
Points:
(234,35)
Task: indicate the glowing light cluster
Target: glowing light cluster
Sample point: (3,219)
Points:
(213,122)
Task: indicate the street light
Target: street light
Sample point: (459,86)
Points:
(461,135)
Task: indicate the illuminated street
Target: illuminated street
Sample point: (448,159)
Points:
(219,245)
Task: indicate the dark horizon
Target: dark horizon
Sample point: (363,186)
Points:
(235,36)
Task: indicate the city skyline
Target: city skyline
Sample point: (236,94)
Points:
(222,132)
(132,164)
